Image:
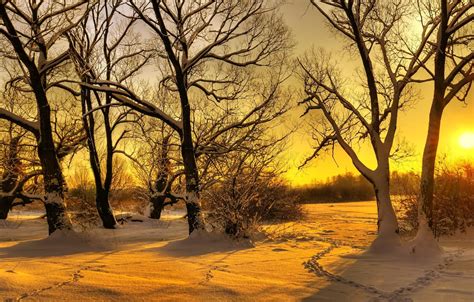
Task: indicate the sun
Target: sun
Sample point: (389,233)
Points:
(466,140)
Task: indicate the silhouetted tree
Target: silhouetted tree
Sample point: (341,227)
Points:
(214,48)
(377,31)
(106,48)
(452,75)
(32,29)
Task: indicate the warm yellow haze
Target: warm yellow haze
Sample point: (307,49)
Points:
(309,31)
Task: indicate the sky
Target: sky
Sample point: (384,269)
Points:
(309,30)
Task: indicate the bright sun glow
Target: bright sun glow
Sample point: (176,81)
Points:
(466,140)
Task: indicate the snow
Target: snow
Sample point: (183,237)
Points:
(322,258)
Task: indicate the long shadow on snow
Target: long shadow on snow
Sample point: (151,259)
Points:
(60,243)
(201,243)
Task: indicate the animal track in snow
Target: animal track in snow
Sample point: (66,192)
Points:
(75,277)
(399,294)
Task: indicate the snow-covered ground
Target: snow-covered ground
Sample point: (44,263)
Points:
(318,259)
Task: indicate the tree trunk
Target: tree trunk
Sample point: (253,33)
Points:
(52,175)
(425,241)
(386,218)
(193,204)
(388,237)
(156,203)
(54,188)
(425,205)
(104,208)
(5,205)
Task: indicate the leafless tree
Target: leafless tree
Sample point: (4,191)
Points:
(157,163)
(452,74)
(105,47)
(33,29)
(20,166)
(246,185)
(391,55)
(210,48)
(219,132)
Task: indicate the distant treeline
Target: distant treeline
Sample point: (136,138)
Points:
(351,187)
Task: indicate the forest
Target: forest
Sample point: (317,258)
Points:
(166,127)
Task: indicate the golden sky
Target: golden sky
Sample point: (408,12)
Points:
(309,30)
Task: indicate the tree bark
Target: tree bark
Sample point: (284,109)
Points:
(388,237)
(193,204)
(425,241)
(192,199)
(53,186)
(157,204)
(5,205)
(104,208)
(425,206)
(386,218)
(53,178)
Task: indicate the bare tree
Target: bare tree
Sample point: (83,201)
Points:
(157,163)
(106,48)
(391,56)
(246,185)
(452,75)
(21,169)
(32,29)
(93,34)
(219,132)
(210,48)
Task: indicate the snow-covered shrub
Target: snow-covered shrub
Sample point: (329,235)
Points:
(238,205)
(81,199)
(453,201)
(84,213)
(248,190)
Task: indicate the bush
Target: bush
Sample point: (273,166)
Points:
(453,201)
(239,204)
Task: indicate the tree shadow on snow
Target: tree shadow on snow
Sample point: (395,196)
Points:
(201,243)
(60,243)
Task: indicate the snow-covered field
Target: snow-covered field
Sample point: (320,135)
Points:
(318,259)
